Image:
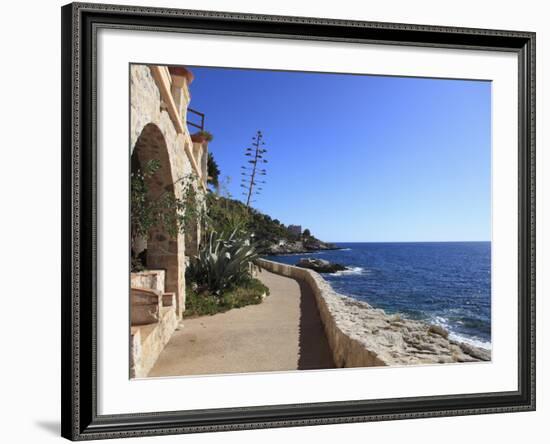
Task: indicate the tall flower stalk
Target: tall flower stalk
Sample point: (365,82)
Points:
(251,174)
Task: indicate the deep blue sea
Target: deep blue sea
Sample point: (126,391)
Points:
(444,283)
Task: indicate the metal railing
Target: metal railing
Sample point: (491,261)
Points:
(201,117)
(162,78)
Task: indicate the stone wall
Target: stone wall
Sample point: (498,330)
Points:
(153,279)
(153,135)
(153,319)
(148,341)
(362,336)
(147,111)
(157,297)
(346,350)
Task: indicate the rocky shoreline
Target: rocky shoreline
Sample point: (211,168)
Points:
(299,247)
(398,341)
(361,335)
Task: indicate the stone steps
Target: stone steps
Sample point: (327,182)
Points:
(153,321)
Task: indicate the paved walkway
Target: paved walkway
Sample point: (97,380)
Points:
(284,332)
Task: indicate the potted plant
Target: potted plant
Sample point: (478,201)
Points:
(182,72)
(202,137)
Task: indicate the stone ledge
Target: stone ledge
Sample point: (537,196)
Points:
(145,305)
(362,336)
(148,341)
(153,279)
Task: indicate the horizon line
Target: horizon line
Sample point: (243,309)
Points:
(406,242)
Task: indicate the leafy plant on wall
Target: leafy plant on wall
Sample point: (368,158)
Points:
(166,212)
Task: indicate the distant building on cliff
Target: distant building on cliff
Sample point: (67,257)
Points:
(295,229)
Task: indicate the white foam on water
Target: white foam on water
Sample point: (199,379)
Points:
(352,270)
(470,341)
(438,320)
(307,253)
(442,322)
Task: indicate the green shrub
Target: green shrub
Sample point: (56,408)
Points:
(213,171)
(223,262)
(226,214)
(250,292)
(204,303)
(198,304)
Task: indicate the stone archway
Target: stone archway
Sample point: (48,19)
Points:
(163,251)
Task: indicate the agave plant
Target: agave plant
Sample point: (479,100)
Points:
(223,262)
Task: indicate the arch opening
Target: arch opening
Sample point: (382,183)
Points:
(161,247)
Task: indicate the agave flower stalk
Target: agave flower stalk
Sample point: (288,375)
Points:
(252,173)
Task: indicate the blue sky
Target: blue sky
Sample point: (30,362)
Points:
(358,158)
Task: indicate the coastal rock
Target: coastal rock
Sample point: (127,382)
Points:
(296,247)
(476,352)
(320,265)
(438,330)
(316,244)
(286,248)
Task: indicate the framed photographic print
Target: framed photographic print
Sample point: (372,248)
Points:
(280,221)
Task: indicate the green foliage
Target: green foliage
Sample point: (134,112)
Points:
(143,213)
(225,215)
(250,292)
(223,262)
(213,171)
(266,231)
(200,304)
(165,212)
(307,233)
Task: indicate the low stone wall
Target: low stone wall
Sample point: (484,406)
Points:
(362,336)
(153,320)
(153,279)
(148,341)
(145,306)
(347,351)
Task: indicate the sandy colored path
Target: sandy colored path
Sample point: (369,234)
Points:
(284,332)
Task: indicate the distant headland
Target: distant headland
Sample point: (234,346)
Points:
(271,236)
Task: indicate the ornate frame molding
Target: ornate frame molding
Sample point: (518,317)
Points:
(80,22)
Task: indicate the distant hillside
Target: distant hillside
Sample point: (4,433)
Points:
(272,236)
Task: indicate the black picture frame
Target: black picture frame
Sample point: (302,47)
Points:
(79,390)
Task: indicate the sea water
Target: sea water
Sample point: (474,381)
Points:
(443,283)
